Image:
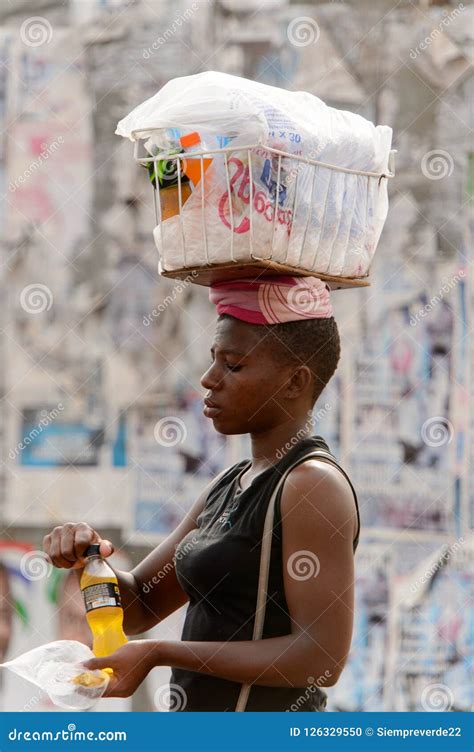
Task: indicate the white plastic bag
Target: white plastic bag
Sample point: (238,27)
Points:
(203,102)
(54,668)
(326,220)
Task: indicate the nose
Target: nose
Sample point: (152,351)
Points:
(211,379)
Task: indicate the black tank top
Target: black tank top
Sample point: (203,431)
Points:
(219,572)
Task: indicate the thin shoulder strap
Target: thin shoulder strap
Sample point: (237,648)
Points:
(265,560)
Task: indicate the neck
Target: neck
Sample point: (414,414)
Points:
(270,446)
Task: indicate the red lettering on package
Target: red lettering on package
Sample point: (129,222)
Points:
(240,186)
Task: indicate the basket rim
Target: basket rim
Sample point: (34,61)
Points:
(389,173)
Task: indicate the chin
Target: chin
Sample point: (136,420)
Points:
(227,428)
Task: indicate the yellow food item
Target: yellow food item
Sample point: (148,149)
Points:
(88,679)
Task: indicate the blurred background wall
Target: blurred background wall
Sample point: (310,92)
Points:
(100,411)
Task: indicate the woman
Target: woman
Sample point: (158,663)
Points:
(276,346)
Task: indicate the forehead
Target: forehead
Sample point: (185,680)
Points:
(236,336)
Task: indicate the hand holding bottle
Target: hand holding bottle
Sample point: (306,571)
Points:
(65,544)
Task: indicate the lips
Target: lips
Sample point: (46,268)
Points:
(211,409)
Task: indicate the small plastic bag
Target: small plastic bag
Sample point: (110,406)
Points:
(56,668)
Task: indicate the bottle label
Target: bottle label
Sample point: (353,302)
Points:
(101,595)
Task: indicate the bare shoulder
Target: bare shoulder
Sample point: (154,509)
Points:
(317,489)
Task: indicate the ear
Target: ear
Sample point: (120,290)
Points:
(299,382)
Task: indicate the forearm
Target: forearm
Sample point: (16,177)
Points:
(136,617)
(143,608)
(286,661)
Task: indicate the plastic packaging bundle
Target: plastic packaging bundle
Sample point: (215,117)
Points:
(56,669)
(327,220)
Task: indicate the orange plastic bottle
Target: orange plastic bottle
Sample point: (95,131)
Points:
(104,611)
(193,165)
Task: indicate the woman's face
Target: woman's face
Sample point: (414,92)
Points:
(244,382)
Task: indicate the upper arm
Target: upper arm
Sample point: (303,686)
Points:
(160,591)
(319,524)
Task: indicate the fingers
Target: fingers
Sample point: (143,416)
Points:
(106,548)
(83,537)
(52,546)
(94,663)
(110,690)
(65,545)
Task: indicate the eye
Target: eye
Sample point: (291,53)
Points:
(233,368)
